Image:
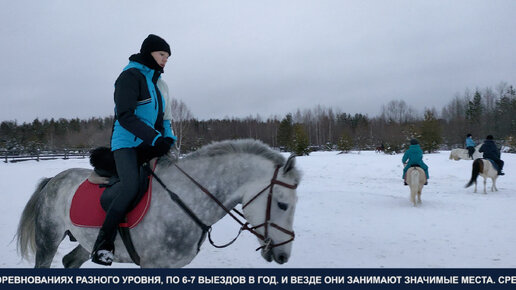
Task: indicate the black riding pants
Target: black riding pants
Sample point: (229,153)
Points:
(500,163)
(471,150)
(125,190)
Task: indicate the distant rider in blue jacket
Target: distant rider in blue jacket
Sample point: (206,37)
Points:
(414,156)
(470,145)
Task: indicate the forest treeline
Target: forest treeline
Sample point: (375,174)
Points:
(479,112)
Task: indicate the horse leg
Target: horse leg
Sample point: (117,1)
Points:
(485,185)
(48,236)
(422,181)
(76,257)
(493,187)
(46,248)
(413,195)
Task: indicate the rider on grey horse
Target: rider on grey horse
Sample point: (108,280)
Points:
(142,130)
(470,145)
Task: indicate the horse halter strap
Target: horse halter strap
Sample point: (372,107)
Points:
(267,223)
(244,226)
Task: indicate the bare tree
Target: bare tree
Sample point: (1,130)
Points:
(181,116)
(398,111)
(501,89)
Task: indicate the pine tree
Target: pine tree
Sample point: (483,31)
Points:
(345,143)
(285,133)
(475,109)
(430,132)
(300,141)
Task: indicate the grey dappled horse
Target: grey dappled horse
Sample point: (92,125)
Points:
(235,172)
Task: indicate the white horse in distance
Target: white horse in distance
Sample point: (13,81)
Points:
(459,153)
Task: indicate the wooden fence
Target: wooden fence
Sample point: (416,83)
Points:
(38,155)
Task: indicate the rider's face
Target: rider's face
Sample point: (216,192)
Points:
(160,57)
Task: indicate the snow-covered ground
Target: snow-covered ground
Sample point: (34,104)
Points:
(353,212)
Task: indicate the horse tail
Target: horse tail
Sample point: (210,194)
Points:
(477,168)
(414,180)
(26,233)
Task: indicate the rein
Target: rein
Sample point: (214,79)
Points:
(245,226)
(178,201)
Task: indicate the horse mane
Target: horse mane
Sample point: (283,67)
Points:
(249,146)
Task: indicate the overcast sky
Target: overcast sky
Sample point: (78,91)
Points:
(235,58)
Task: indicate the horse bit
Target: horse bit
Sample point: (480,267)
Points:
(268,245)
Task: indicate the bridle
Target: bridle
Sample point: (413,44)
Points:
(245,226)
(267,223)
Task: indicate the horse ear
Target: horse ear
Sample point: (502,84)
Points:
(289,165)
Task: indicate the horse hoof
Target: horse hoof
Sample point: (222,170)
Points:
(102,257)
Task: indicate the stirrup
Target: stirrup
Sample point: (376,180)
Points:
(102,257)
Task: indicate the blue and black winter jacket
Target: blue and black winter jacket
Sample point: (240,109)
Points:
(470,142)
(139,108)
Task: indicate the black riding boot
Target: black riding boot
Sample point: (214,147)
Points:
(104,247)
(500,163)
(103,250)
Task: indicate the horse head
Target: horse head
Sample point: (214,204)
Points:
(271,212)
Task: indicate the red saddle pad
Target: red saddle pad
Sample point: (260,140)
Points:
(86,211)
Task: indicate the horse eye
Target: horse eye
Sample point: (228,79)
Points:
(282,205)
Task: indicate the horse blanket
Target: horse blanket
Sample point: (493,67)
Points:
(86,210)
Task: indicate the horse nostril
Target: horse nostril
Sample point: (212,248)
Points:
(282,258)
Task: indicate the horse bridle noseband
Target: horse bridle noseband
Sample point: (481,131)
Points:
(268,244)
(245,226)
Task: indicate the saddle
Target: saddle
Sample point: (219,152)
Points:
(93,197)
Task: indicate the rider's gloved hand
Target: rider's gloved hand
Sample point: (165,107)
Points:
(162,145)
